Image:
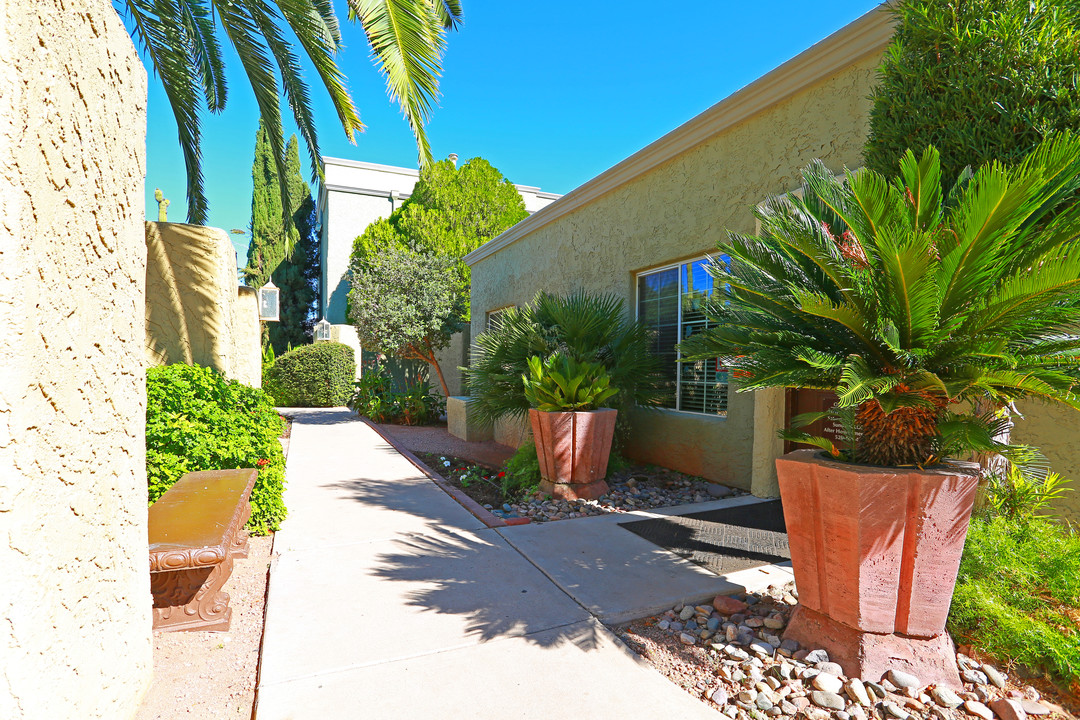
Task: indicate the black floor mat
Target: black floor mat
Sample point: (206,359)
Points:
(734,538)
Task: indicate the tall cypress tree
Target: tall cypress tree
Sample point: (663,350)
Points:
(294,272)
(980,80)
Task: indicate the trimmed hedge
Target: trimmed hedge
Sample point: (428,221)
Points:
(319,375)
(196,419)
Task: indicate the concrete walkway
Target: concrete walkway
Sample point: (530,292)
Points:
(387,599)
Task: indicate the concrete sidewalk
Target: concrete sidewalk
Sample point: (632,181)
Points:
(388,600)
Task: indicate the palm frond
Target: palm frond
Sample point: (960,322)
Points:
(407,38)
(159,29)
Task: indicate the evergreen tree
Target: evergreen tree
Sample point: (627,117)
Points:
(289,258)
(980,80)
(451,212)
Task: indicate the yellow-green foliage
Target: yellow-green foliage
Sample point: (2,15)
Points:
(451,212)
(196,419)
(1018,594)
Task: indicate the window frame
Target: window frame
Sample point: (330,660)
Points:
(678,265)
(490,314)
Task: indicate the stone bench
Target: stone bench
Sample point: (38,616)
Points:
(196,530)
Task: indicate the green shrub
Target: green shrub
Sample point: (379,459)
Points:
(1018,584)
(198,420)
(1019,496)
(374,398)
(319,375)
(522,474)
(581,326)
(979,80)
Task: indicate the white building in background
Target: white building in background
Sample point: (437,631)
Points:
(354,195)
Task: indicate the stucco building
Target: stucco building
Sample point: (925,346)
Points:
(643,230)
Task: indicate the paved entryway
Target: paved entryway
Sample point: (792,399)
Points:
(388,600)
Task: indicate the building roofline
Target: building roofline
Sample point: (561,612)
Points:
(370,166)
(867,35)
(531,189)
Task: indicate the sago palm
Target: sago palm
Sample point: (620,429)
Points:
(912,305)
(180,40)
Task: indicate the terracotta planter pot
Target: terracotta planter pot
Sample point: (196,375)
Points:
(573,449)
(875,553)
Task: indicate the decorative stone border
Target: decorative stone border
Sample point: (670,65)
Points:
(479,511)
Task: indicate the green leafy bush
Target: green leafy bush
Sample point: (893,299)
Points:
(319,375)
(908,301)
(374,398)
(196,419)
(522,474)
(979,80)
(1018,595)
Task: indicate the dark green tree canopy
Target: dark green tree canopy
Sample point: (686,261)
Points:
(287,255)
(980,80)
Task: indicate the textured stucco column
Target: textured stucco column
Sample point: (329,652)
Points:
(462,423)
(75,641)
(247,337)
(768,419)
(346,335)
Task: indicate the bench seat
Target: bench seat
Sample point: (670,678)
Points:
(196,530)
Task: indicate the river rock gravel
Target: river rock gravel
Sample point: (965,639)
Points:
(738,664)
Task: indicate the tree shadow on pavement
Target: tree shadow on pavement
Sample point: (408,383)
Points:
(457,567)
(319,416)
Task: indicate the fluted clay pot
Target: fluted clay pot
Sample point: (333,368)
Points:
(573,449)
(875,552)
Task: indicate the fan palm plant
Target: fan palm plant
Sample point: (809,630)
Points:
(582,327)
(912,305)
(180,40)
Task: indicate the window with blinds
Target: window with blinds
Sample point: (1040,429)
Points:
(669,302)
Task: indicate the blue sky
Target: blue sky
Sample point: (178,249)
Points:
(551,94)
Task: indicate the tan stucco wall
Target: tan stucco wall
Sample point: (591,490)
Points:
(1055,429)
(451,359)
(195,311)
(679,210)
(346,335)
(75,641)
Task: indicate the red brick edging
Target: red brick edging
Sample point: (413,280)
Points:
(479,511)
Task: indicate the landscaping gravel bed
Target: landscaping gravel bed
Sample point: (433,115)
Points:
(638,487)
(731,656)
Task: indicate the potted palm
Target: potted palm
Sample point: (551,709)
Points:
(572,431)
(582,327)
(915,308)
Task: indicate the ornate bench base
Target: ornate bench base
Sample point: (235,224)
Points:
(192,599)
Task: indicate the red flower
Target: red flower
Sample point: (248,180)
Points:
(263,462)
(502,474)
